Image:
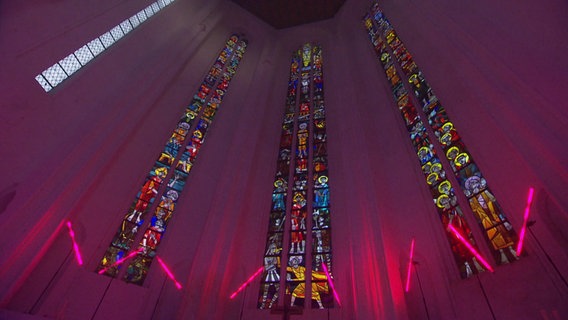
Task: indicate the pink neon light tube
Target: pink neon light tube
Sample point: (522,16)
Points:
(470,248)
(331,284)
(409,271)
(525,220)
(121,261)
(75,245)
(259,271)
(169,273)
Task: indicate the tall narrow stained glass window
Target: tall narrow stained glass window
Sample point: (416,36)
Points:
(300,194)
(168,176)
(498,232)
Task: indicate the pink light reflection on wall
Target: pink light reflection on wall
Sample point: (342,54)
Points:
(470,248)
(169,273)
(121,261)
(75,245)
(247,282)
(409,271)
(331,284)
(525,220)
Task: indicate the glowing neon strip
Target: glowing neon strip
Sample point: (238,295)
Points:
(259,271)
(120,261)
(470,248)
(525,220)
(75,245)
(409,271)
(169,273)
(331,284)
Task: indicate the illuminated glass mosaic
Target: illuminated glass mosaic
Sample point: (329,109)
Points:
(300,194)
(141,232)
(499,233)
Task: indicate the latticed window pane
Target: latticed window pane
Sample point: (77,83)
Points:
(96,46)
(142,16)
(107,39)
(117,33)
(149,12)
(43,83)
(54,74)
(84,55)
(126,26)
(134,21)
(70,64)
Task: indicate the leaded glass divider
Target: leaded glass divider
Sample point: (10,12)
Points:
(172,166)
(497,230)
(303,129)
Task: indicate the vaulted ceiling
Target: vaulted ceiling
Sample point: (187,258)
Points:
(288,13)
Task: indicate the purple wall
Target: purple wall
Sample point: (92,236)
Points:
(82,151)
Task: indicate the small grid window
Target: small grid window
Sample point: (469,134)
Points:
(96,46)
(134,21)
(84,55)
(107,39)
(117,33)
(55,74)
(43,83)
(149,11)
(126,26)
(142,16)
(70,64)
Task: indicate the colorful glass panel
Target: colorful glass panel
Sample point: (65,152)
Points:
(497,230)
(169,174)
(305,198)
(435,176)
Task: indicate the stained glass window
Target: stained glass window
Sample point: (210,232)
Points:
(300,194)
(394,56)
(165,182)
(54,75)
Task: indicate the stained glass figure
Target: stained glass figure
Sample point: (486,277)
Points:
(443,195)
(176,165)
(303,128)
(498,230)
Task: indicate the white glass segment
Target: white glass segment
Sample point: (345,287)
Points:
(155,7)
(70,64)
(141,16)
(117,33)
(96,46)
(84,55)
(134,21)
(43,83)
(54,75)
(161,3)
(125,26)
(149,11)
(106,39)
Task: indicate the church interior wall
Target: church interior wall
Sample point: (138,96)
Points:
(82,151)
